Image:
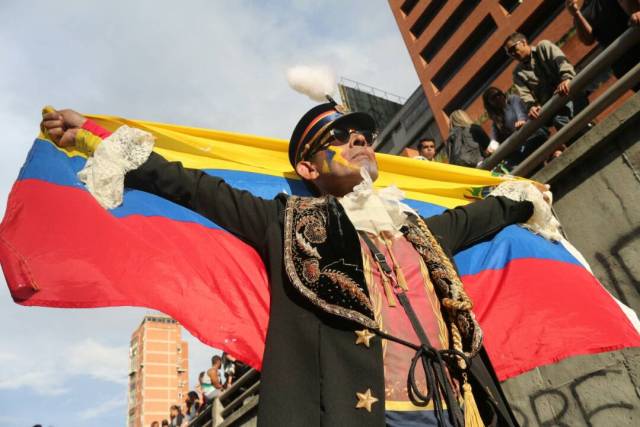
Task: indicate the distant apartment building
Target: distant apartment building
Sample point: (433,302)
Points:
(456,45)
(159,370)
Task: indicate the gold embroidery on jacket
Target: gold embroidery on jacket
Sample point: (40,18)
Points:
(306,226)
(435,303)
(347,284)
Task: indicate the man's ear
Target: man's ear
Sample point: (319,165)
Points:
(307,170)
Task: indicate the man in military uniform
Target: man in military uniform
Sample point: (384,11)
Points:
(360,284)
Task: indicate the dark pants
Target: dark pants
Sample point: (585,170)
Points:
(532,143)
(562,117)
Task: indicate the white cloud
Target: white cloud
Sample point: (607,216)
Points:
(49,376)
(10,421)
(219,65)
(6,357)
(102,408)
(98,361)
(43,381)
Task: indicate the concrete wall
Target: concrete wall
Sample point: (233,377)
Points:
(596,184)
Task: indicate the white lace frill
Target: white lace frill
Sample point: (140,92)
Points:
(373,210)
(103,174)
(542,222)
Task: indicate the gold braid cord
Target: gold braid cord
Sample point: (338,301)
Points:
(465,331)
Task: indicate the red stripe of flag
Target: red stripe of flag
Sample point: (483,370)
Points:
(79,255)
(538,311)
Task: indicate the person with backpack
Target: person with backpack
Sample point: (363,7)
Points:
(466,142)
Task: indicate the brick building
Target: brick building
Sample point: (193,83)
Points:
(159,370)
(456,45)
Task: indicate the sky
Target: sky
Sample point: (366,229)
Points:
(213,64)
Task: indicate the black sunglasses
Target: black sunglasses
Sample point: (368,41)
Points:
(511,50)
(342,136)
(339,136)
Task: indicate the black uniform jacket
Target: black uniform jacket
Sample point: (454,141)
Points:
(312,367)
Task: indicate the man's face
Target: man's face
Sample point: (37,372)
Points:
(343,159)
(518,50)
(427,149)
(338,165)
(173,412)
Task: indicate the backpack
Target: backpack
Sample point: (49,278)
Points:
(461,149)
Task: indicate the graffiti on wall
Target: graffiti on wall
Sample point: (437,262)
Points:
(616,264)
(563,402)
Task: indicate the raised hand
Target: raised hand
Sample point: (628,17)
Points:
(572,7)
(534,112)
(61,126)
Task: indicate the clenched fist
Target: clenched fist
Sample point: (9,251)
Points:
(61,126)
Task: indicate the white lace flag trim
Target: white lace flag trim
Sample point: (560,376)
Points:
(103,174)
(542,222)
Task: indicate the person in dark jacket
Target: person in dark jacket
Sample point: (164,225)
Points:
(466,142)
(508,114)
(192,403)
(603,21)
(351,303)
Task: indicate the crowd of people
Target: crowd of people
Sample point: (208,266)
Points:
(224,371)
(542,71)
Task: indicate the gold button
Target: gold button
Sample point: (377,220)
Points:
(364,337)
(365,400)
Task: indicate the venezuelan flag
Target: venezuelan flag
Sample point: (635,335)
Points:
(536,302)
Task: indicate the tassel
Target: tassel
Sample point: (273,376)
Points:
(402,282)
(471,412)
(391,298)
(386,284)
(400,279)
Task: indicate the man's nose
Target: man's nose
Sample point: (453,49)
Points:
(357,139)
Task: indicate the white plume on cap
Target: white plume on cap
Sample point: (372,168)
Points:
(314,81)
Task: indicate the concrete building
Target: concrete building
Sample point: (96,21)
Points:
(412,122)
(381,105)
(159,370)
(456,45)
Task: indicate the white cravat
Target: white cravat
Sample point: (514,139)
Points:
(376,211)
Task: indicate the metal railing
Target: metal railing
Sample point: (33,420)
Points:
(604,60)
(237,406)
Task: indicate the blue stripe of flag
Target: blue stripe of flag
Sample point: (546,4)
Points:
(46,163)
